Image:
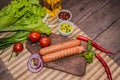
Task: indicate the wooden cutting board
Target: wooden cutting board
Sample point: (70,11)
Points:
(75,65)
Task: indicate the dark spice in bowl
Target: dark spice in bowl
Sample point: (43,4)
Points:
(64,15)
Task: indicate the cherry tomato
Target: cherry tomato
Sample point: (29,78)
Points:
(44,41)
(34,36)
(18,47)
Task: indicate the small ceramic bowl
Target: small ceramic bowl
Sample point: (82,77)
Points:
(67,28)
(64,15)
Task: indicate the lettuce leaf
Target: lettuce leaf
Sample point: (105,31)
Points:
(23,15)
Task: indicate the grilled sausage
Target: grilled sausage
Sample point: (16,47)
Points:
(59,46)
(62,53)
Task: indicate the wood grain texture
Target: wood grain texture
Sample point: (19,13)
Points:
(112,41)
(101,20)
(82,9)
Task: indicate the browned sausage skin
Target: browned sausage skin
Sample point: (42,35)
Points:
(59,46)
(63,53)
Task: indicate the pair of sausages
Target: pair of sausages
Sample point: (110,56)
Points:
(61,50)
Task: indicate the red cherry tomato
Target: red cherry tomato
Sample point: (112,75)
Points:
(44,41)
(18,47)
(34,36)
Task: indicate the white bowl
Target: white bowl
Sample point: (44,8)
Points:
(65,34)
(63,10)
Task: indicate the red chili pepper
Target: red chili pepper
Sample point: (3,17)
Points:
(105,66)
(94,44)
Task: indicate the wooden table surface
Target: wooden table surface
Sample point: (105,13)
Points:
(99,19)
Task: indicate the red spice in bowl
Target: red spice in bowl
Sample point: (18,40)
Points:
(64,15)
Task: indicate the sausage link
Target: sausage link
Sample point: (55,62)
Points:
(63,53)
(59,46)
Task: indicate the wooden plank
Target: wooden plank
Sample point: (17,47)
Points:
(4,73)
(101,20)
(110,38)
(84,8)
(64,2)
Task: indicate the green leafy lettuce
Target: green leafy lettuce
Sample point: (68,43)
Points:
(23,15)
